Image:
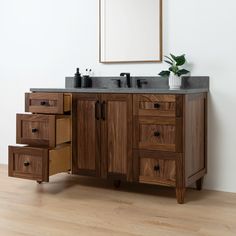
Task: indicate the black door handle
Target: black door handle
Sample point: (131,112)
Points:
(97,110)
(103,110)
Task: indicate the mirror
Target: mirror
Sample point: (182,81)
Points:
(130,31)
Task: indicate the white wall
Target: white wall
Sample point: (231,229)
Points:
(42,41)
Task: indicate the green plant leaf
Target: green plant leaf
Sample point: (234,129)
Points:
(169,58)
(180,60)
(182,72)
(164,73)
(169,62)
(173,56)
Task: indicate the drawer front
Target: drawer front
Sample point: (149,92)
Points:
(157,137)
(38,163)
(158,134)
(28,163)
(48,103)
(157,105)
(157,171)
(45,130)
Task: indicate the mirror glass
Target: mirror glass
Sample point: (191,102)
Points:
(130,31)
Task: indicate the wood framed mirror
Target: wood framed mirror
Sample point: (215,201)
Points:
(130,31)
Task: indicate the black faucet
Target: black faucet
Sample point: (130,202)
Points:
(140,82)
(128,79)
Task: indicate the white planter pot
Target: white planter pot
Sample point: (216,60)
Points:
(175,81)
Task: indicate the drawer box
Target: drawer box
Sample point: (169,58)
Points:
(157,171)
(38,163)
(157,105)
(158,133)
(44,130)
(48,103)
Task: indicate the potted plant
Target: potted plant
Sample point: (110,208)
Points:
(175,71)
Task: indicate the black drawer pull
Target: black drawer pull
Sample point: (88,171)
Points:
(43,103)
(34,130)
(157,134)
(157,168)
(26,163)
(157,105)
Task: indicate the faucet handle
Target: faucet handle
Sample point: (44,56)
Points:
(140,82)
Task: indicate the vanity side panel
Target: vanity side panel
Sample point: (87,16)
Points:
(195,136)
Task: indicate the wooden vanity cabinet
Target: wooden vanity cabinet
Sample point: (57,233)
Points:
(103,135)
(156,139)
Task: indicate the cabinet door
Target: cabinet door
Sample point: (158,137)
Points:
(86,133)
(116,136)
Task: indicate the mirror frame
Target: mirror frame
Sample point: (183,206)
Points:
(139,61)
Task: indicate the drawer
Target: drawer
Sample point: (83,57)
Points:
(157,105)
(156,133)
(43,130)
(48,103)
(38,163)
(157,171)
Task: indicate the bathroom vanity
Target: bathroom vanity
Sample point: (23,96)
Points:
(151,136)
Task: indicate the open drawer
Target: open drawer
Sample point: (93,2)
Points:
(48,103)
(38,163)
(43,130)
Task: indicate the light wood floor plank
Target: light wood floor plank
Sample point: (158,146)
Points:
(73,205)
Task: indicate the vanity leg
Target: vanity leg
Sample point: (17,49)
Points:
(199,184)
(180,193)
(117,183)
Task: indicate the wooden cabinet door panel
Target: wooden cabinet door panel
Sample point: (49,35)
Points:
(88,135)
(117,135)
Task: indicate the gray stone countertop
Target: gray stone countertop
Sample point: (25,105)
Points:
(121,90)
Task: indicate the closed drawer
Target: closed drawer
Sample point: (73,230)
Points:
(38,163)
(157,105)
(48,103)
(44,130)
(156,133)
(157,171)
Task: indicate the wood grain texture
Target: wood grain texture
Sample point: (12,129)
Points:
(117,137)
(154,105)
(116,146)
(87,145)
(37,167)
(72,205)
(47,103)
(43,130)
(63,130)
(60,159)
(157,171)
(195,139)
(145,131)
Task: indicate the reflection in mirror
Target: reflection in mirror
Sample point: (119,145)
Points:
(130,31)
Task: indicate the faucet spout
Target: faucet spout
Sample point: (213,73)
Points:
(128,79)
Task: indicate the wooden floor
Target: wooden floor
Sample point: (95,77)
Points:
(72,205)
